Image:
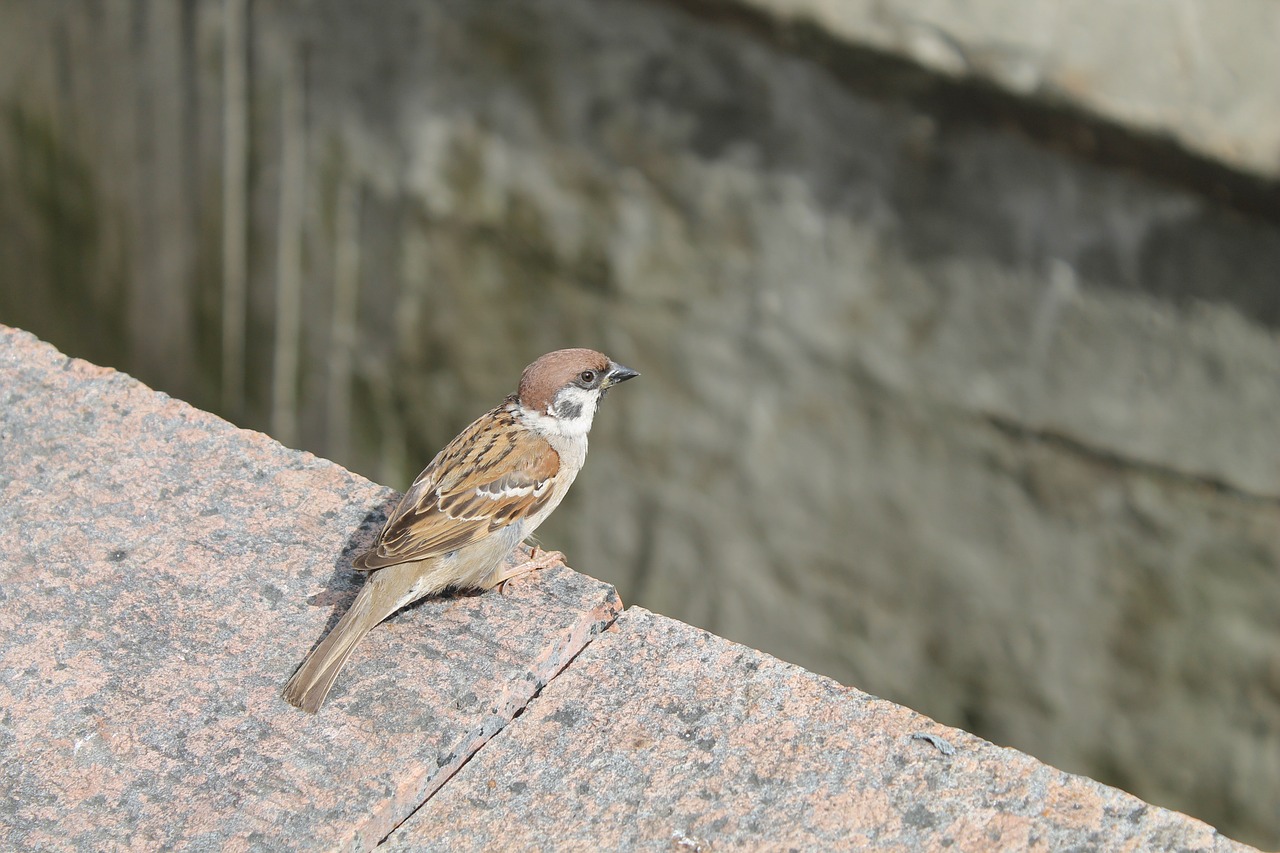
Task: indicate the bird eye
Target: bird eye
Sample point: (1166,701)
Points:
(587,376)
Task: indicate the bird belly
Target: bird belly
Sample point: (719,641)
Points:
(471,566)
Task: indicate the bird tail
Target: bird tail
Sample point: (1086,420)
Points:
(314,679)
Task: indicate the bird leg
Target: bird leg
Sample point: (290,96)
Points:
(536,561)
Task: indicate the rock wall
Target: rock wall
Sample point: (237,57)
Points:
(1203,72)
(969,421)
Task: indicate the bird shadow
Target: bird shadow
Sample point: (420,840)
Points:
(345,581)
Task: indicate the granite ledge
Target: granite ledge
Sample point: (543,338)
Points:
(164,573)
(663,736)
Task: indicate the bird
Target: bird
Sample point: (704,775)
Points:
(483,494)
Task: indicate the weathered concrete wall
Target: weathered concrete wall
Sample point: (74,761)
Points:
(977,426)
(1204,72)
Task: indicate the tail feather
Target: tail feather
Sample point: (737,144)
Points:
(315,677)
(386,591)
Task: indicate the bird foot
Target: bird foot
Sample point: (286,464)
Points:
(538,559)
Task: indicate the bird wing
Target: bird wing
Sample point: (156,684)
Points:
(493,474)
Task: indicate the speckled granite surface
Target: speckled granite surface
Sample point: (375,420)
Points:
(162,575)
(661,736)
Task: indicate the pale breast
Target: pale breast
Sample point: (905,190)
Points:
(573,453)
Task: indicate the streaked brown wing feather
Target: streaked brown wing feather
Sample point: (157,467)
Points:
(481,482)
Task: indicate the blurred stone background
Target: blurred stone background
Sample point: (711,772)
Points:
(958,321)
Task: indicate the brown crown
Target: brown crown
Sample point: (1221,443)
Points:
(542,379)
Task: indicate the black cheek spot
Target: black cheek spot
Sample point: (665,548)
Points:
(568,411)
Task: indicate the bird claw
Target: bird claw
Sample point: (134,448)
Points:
(547,560)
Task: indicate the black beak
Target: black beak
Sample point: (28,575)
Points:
(617,373)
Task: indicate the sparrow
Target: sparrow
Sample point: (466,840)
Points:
(483,494)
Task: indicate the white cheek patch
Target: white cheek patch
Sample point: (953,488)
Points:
(575,409)
(569,415)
